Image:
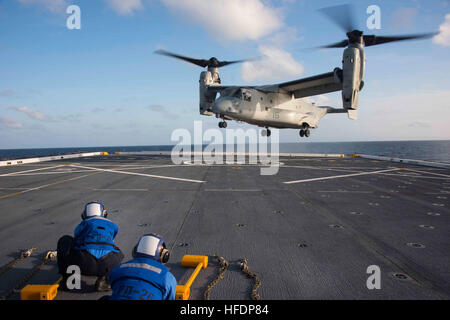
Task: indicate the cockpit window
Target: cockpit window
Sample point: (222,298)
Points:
(240,93)
(237,94)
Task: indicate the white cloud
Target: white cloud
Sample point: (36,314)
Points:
(443,38)
(230,19)
(31,113)
(125,7)
(276,64)
(7,122)
(54,6)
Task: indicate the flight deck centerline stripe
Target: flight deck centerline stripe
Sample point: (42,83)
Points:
(427,172)
(341,176)
(47,185)
(140,174)
(18,172)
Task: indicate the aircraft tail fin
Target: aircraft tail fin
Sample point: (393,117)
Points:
(352,114)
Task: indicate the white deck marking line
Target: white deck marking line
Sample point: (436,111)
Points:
(151,167)
(341,176)
(120,189)
(18,172)
(52,172)
(411,176)
(439,193)
(233,190)
(140,174)
(46,185)
(323,168)
(359,169)
(436,174)
(345,191)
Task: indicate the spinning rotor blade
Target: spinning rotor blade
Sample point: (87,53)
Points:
(226,63)
(198,62)
(373,40)
(341,44)
(212,62)
(342,15)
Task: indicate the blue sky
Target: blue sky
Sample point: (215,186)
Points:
(102,85)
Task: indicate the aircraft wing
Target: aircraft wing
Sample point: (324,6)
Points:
(320,84)
(306,87)
(214,88)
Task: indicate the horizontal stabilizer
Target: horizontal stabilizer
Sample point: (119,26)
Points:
(332,110)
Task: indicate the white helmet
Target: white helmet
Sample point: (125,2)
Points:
(152,246)
(94,209)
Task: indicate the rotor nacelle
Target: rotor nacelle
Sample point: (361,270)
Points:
(352,76)
(207,98)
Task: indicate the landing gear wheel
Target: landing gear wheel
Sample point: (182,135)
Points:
(307,133)
(266,132)
(222,124)
(302,133)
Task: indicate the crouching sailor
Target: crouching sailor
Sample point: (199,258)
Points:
(92,248)
(145,277)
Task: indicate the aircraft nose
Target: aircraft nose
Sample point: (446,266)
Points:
(222,106)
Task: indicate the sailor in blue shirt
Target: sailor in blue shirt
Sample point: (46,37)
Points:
(144,277)
(92,248)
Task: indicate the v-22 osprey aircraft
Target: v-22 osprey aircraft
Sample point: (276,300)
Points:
(283,105)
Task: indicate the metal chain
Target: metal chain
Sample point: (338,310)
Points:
(246,270)
(49,256)
(223,268)
(23,255)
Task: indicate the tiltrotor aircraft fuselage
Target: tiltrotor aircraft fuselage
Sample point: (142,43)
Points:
(284,105)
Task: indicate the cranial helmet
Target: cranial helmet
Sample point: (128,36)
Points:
(152,246)
(94,209)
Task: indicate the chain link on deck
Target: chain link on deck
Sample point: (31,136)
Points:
(49,256)
(23,255)
(246,270)
(223,268)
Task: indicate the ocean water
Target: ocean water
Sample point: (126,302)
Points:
(437,150)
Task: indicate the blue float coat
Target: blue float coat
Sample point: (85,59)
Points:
(96,235)
(142,279)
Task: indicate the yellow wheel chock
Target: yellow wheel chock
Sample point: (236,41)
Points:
(183,291)
(39,292)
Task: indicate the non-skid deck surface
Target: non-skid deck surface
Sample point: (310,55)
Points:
(310,238)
